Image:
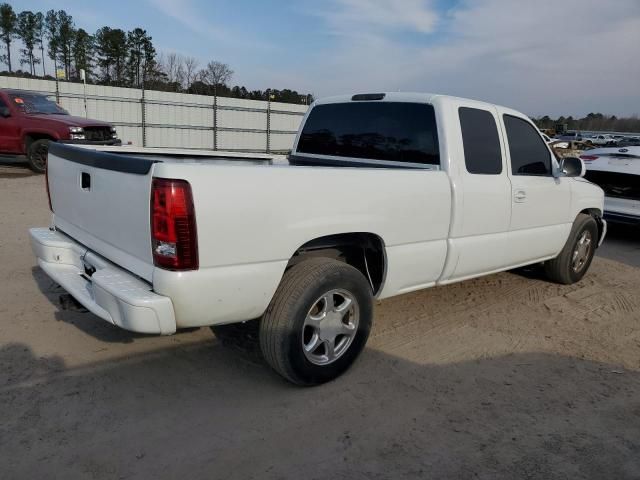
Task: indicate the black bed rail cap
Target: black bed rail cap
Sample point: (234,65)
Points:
(367,96)
(119,162)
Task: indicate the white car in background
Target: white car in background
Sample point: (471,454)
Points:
(617,172)
(601,140)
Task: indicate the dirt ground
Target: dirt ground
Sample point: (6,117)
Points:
(507,376)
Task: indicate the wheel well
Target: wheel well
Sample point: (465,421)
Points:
(29,138)
(596,213)
(364,251)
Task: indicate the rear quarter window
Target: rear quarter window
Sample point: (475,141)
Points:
(482,154)
(378,131)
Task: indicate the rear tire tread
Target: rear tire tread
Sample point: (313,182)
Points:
(275,321)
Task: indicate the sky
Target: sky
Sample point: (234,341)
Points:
(568,57)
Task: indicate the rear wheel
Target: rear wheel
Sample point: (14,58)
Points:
(575,258)
(318,321)
(37,155)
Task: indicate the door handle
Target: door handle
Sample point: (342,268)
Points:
(519,196)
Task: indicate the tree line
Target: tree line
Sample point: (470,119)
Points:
(592,122)
(112,56)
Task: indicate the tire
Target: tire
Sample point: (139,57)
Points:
(296,330)
(575,258)
(37,155)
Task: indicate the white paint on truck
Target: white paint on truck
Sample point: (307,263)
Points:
(438,223)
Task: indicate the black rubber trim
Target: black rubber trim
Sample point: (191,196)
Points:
(105,160)
(622,218)
(115,141)
(299,160)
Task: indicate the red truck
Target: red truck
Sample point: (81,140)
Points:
(30,120)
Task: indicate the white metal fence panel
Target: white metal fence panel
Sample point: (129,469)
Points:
(179,120)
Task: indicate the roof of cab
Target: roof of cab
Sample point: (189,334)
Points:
(416,97)
(388,97)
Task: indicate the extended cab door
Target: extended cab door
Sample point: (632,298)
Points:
(482,192)
(540,201)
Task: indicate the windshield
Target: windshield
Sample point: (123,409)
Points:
(33,103)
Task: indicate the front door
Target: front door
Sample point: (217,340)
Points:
(540,201)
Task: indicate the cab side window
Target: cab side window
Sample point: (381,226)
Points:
(529,154)
(481,142)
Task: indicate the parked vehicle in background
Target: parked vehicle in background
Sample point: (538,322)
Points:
(362,208)
(569,137)
(29,121)
(546,138)
(600,140)
(617,171)
(629,142)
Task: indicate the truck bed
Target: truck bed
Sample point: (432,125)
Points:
(252,213)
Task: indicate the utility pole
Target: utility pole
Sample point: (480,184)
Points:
(268,120)
(83,77)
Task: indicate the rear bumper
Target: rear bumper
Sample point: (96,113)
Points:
(111,293)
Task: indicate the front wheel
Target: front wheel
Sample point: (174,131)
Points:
(318,321)
(37,155)
(573,261)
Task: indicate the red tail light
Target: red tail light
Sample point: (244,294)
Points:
(588,158)
(46,182)
(173,225)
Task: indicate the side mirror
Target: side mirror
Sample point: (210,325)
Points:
(572,167)
(5,112)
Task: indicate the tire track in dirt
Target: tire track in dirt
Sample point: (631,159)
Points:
(507,313)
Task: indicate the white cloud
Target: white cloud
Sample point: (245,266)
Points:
(567,57)
(189,16)
(352,16)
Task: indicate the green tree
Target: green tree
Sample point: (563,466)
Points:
(27,31)
(111,51)
(52,29)
(66,36)
(141,60)
(82,52)
(8,26)
(39,34)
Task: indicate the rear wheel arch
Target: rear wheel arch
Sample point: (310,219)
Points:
(364,251)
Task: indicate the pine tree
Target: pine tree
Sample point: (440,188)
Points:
(8,27)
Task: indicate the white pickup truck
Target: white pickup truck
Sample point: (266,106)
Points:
(382,194)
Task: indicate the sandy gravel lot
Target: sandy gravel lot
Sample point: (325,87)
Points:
(502,377)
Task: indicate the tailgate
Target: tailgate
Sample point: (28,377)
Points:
(102,201)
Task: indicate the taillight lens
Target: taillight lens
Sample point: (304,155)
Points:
(173,225)
(589,158)
(46,182)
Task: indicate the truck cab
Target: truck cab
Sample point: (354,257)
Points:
(29,121)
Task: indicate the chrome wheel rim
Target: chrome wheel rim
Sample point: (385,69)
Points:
(330,327)
(582,251)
